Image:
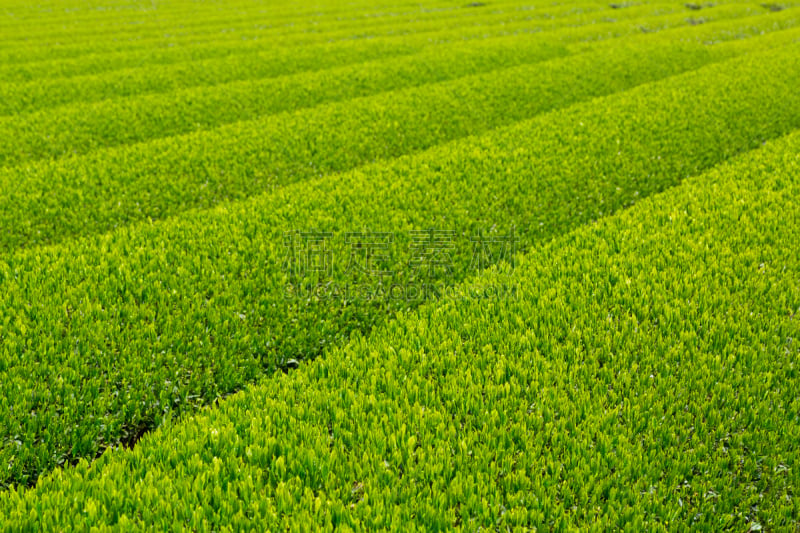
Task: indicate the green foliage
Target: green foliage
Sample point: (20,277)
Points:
(639,381)
(308,33)
(26,64)
(633,367)
(111,335)
(83,127)
(44,94)
(81,195)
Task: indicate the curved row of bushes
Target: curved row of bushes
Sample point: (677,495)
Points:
(195,21)
(289,37)
(257,84)
(644,377)
(97,192)
(104,338)
(140,57)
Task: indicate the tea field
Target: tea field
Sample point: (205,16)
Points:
(391,265)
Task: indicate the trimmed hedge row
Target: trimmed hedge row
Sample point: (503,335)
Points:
(646,18)
(84,12)
(105,338)
(644,377)
(81,128)
(722,31)
(51,200)
(77,129)
(94,63)
(248,63)
(200,23)
(289,35)
(269,83)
